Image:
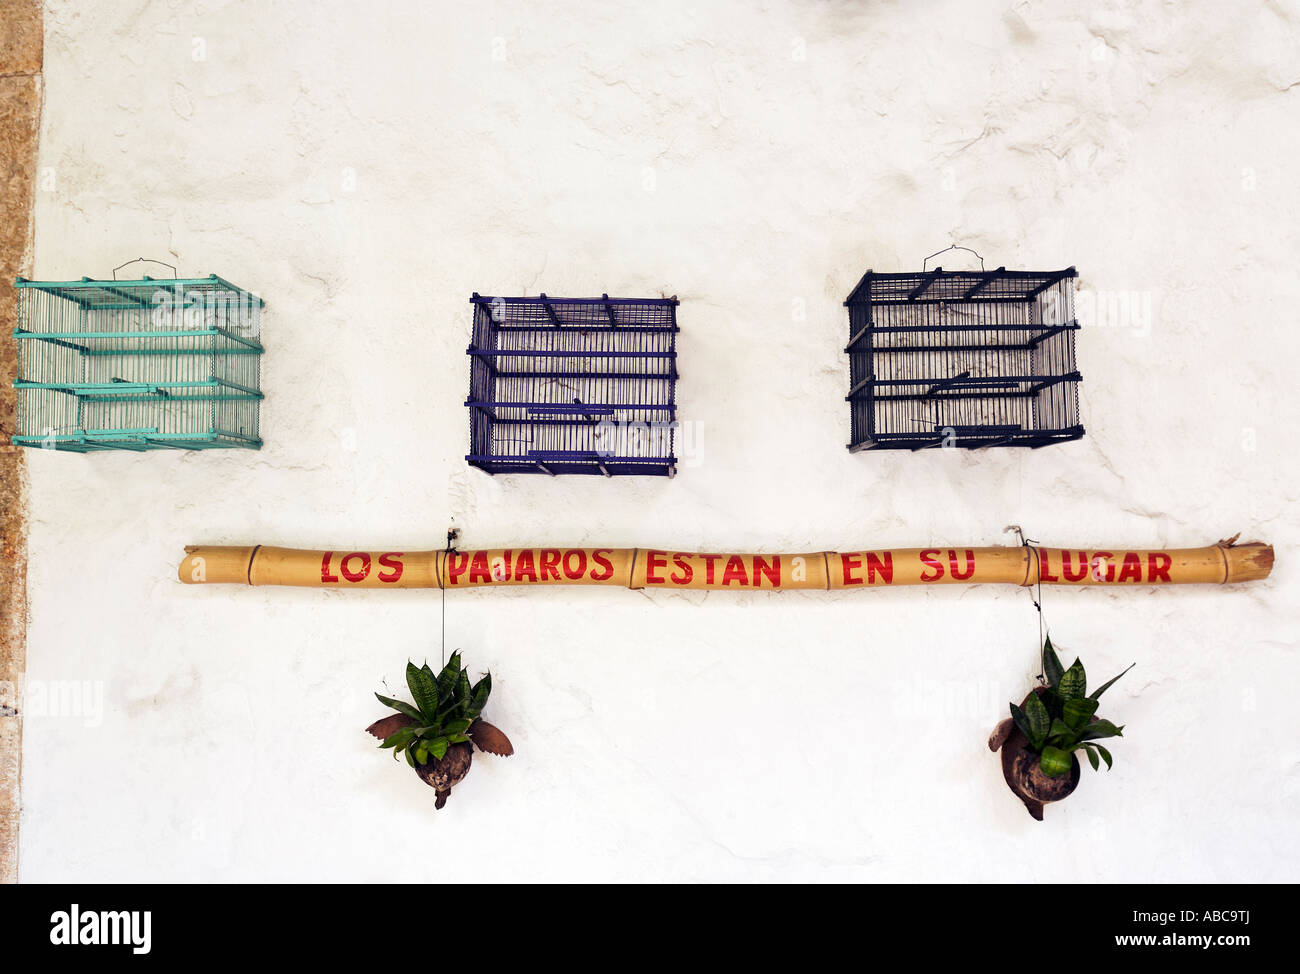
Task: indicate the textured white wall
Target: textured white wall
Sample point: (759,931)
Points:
(752,159)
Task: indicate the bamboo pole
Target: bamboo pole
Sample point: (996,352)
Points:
(651,568)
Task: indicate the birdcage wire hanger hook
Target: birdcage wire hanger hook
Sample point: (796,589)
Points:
(145,260)
(948,248)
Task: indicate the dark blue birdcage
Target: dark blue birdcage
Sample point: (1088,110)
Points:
(969,359)
(573,385)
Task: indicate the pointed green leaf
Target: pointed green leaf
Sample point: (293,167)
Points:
(1099,729)
(422,754)
(1079,711)
(479,695)
(1096,694)
(1092,758)
(458,726)
(1074,682)
(400,707)
(399,738)
(1040,722)
(1054,761)
(448,677)
(462,690)
(1061,733)
(1052,701)
(1105,755)
(438,748)
(1052,668)
(1022,722)
(424,690)
(458,738)
(409,759)
(430,675)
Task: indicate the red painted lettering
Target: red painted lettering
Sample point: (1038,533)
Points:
(549,565)
(929,558)
(1158,564)
(654,562)
(570,569)
(772,571)
(1132,569)
(848,565)
(735,571)
(392,561)
(478,568)
(325,574)
(455,568)
(882,565)
(604,563)
(952,565)
(356,576)
(708,567)
(1045,567)
(684,572)
(524,566)
(1072,575)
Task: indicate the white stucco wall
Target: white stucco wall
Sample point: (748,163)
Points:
(364,167)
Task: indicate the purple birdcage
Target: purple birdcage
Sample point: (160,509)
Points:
(573,385)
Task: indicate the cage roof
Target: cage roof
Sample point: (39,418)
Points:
(921,287)
(544,299)
(582,312)
(93,294)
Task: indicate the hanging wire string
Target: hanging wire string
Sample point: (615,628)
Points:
(451,537)
(1029,545)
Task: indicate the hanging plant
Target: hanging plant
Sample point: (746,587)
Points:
(436,733)
(1042,738)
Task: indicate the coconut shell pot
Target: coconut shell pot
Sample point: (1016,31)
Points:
(1024,775)
(443,774)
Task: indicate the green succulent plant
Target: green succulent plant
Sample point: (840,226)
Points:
(1061,717)
(445,707)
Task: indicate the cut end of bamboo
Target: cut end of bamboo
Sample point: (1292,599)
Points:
(1248,562)
(222,566)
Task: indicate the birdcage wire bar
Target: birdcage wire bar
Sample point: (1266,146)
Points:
(970,359)
(573,385)
(138,365)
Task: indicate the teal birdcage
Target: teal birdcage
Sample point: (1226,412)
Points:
(138,365)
